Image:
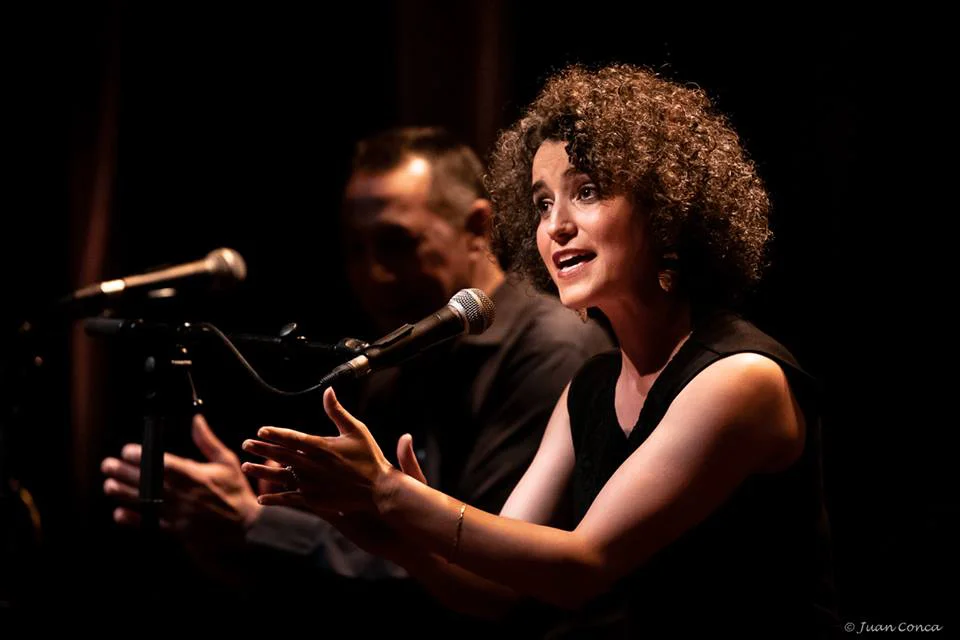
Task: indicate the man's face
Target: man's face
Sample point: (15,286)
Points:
(404,261)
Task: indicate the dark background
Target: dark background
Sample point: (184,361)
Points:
(137,135)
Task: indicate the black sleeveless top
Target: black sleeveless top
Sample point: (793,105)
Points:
(759,565)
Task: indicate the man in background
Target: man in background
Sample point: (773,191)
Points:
(415,221)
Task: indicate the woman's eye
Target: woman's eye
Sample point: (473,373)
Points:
(542,206)
(588,192)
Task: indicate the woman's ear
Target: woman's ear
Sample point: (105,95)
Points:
(667,275)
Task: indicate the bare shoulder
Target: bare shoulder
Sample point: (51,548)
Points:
(749,395)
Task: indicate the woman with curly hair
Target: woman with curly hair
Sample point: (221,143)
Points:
(677,486)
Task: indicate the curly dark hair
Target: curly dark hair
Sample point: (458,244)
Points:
(658,142)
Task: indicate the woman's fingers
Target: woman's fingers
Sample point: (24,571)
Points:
(344,420)
(281,454)
(408,458)
(286,499)
(269,473)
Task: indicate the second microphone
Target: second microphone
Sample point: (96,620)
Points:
(470,311)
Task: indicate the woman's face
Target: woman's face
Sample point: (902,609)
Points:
(595,246)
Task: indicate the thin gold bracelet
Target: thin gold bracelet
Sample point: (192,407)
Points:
(456,540)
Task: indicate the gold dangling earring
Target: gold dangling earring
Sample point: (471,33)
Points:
(582,312)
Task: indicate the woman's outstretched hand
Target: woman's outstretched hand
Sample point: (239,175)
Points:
(327,475)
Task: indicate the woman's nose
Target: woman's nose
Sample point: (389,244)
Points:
(560,226)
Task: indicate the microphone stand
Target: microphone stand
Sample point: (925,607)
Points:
(169,396)
(168,382)
(169,393)
(21,365)
(292,345)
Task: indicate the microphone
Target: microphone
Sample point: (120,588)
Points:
(469,311)
(221,267)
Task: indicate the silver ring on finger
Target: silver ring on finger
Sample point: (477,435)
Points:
(294,479)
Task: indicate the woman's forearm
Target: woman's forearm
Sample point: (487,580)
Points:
(549,564)
(455,587)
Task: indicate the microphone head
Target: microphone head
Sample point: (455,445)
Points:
(226,265)
(478,309)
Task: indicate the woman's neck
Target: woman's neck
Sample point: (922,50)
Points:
(649,333)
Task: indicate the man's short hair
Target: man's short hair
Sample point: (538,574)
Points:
(457,173)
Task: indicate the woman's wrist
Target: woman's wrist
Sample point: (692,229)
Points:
(385,490)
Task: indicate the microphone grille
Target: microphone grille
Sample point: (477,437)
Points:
(227,264)
(479,309)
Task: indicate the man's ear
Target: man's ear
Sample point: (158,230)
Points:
(477,224)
